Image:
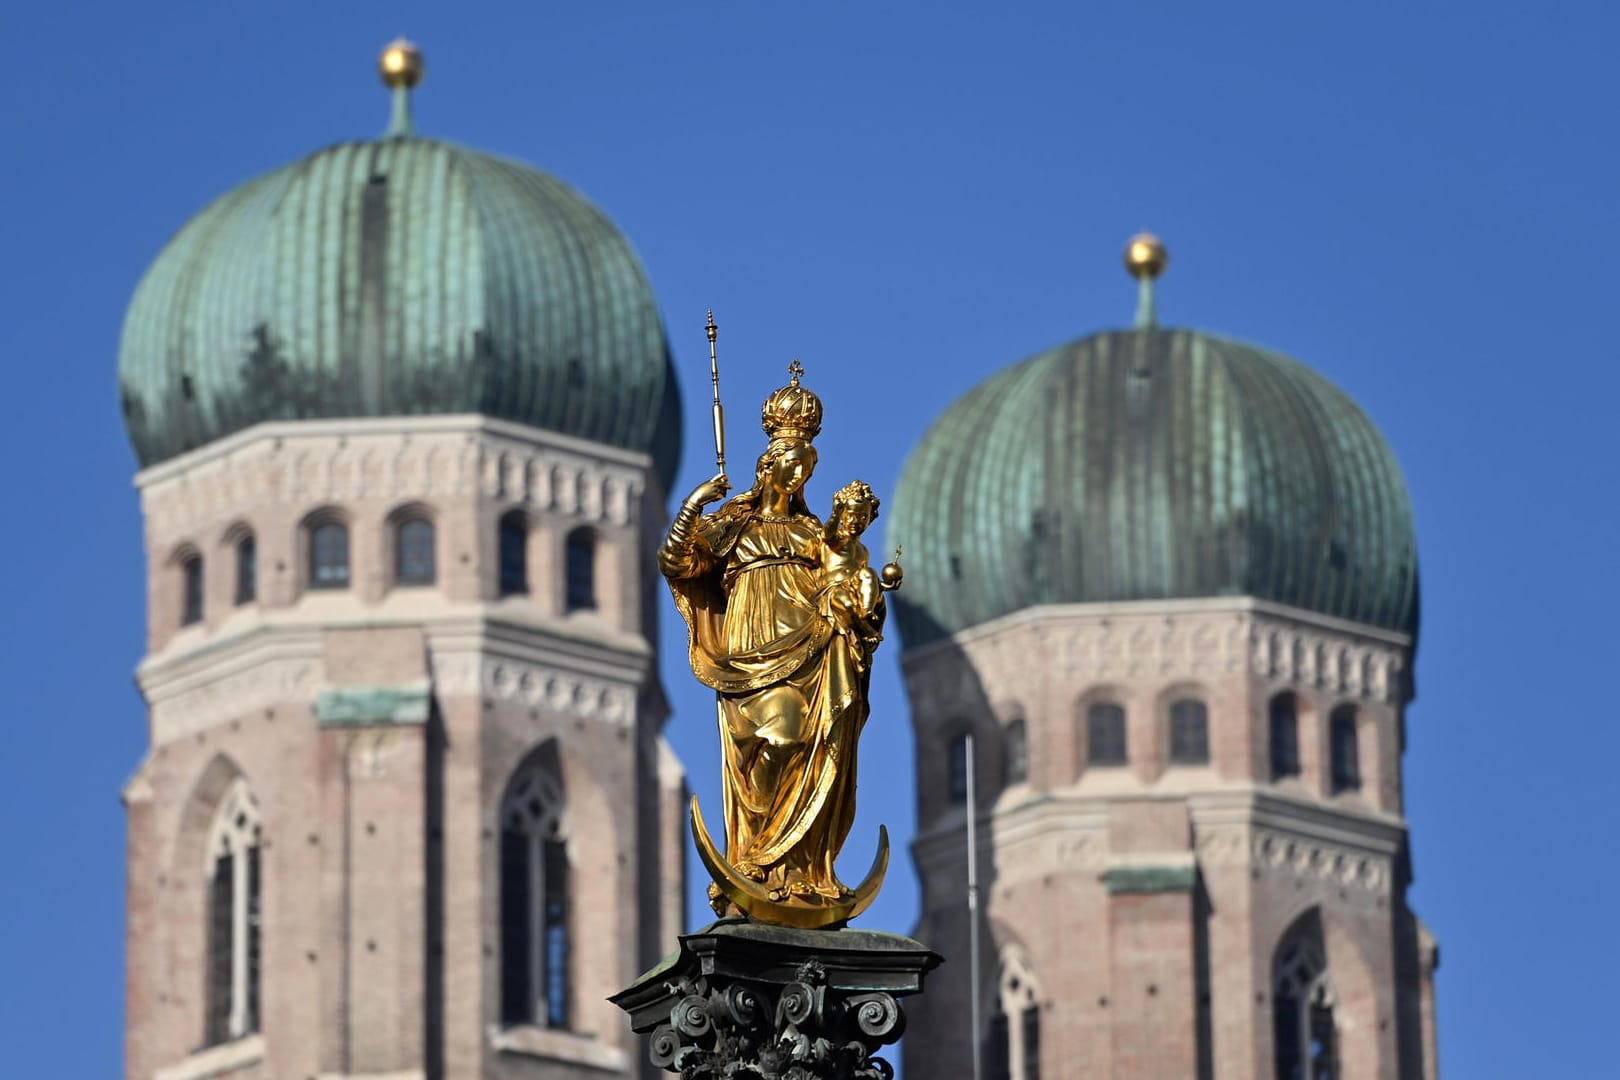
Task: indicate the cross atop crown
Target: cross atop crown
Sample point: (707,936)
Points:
(792,412)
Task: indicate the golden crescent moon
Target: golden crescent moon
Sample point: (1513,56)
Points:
(755,902)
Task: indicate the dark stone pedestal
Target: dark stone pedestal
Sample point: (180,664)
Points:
(743,1000)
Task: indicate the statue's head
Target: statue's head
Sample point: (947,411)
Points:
(854,507)
(785,465)
(792,412)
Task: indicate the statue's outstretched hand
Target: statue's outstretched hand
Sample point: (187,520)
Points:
(708,491)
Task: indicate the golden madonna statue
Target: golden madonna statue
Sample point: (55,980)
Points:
(782,613)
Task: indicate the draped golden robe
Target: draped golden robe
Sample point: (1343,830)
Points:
(790,692)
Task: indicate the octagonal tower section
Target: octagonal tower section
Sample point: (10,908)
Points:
(407,423)
(1167,582)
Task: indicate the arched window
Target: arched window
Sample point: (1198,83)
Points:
(328,555)
(1303,1028)
(234,946)
(514,553)
(580,576)
(1105,734)
(1189,732)
(1284,736)
(535,943)
(1012,1047)
(191,584)
(413,551)
(247,569)
(1015,753)
(1346,759)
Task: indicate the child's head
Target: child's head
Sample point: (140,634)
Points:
(854,507)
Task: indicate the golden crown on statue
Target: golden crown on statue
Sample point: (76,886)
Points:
(792,412)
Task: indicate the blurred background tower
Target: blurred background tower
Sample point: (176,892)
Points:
(406,420)
(1168,581)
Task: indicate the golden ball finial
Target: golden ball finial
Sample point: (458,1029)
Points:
(891,576)
(1146,256)
(401,64)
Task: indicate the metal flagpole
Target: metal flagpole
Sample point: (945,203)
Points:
(973,908)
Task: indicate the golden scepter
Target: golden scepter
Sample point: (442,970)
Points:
(719,413)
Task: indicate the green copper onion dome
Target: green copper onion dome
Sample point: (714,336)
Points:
(1152,464)
(398,276)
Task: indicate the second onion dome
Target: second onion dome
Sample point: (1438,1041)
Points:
(1152,464)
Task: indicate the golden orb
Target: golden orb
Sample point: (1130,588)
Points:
(401,64)
(1146,256)
(892,576)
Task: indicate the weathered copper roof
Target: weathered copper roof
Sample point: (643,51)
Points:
(1152,464)
(391,277)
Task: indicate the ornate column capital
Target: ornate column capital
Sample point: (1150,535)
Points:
(751,1001)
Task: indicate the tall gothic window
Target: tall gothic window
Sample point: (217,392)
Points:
(535,931)
(191,583)
(1189,732)
(1346,760)
(247,569)
(580,575)
(958,765)
(1105,734)
(1015,753)
(514,553)
(413,551)
(1012,1046)
(1284,736)
(328,555)
(234,945)
(1304,1031)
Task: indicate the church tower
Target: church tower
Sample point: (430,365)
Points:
(406,419)
(1167,582)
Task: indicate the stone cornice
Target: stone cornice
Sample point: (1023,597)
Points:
(307,463)
(1245,825)
(454,626)
(361,427)
(545,1044)
(538,685)
(1086,644)
(1300,816)
(216,1060)
(1302,855)
(1211,605)
(472,653)
(1046,818)
(1238,804)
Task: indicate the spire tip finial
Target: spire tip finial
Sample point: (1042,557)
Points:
(401,66)
(1145,259)
(1146,256)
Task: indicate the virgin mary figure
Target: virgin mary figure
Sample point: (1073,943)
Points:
(790,689)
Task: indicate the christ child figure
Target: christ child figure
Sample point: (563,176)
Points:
(851,591)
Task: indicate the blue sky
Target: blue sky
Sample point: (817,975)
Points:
(1415,199)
